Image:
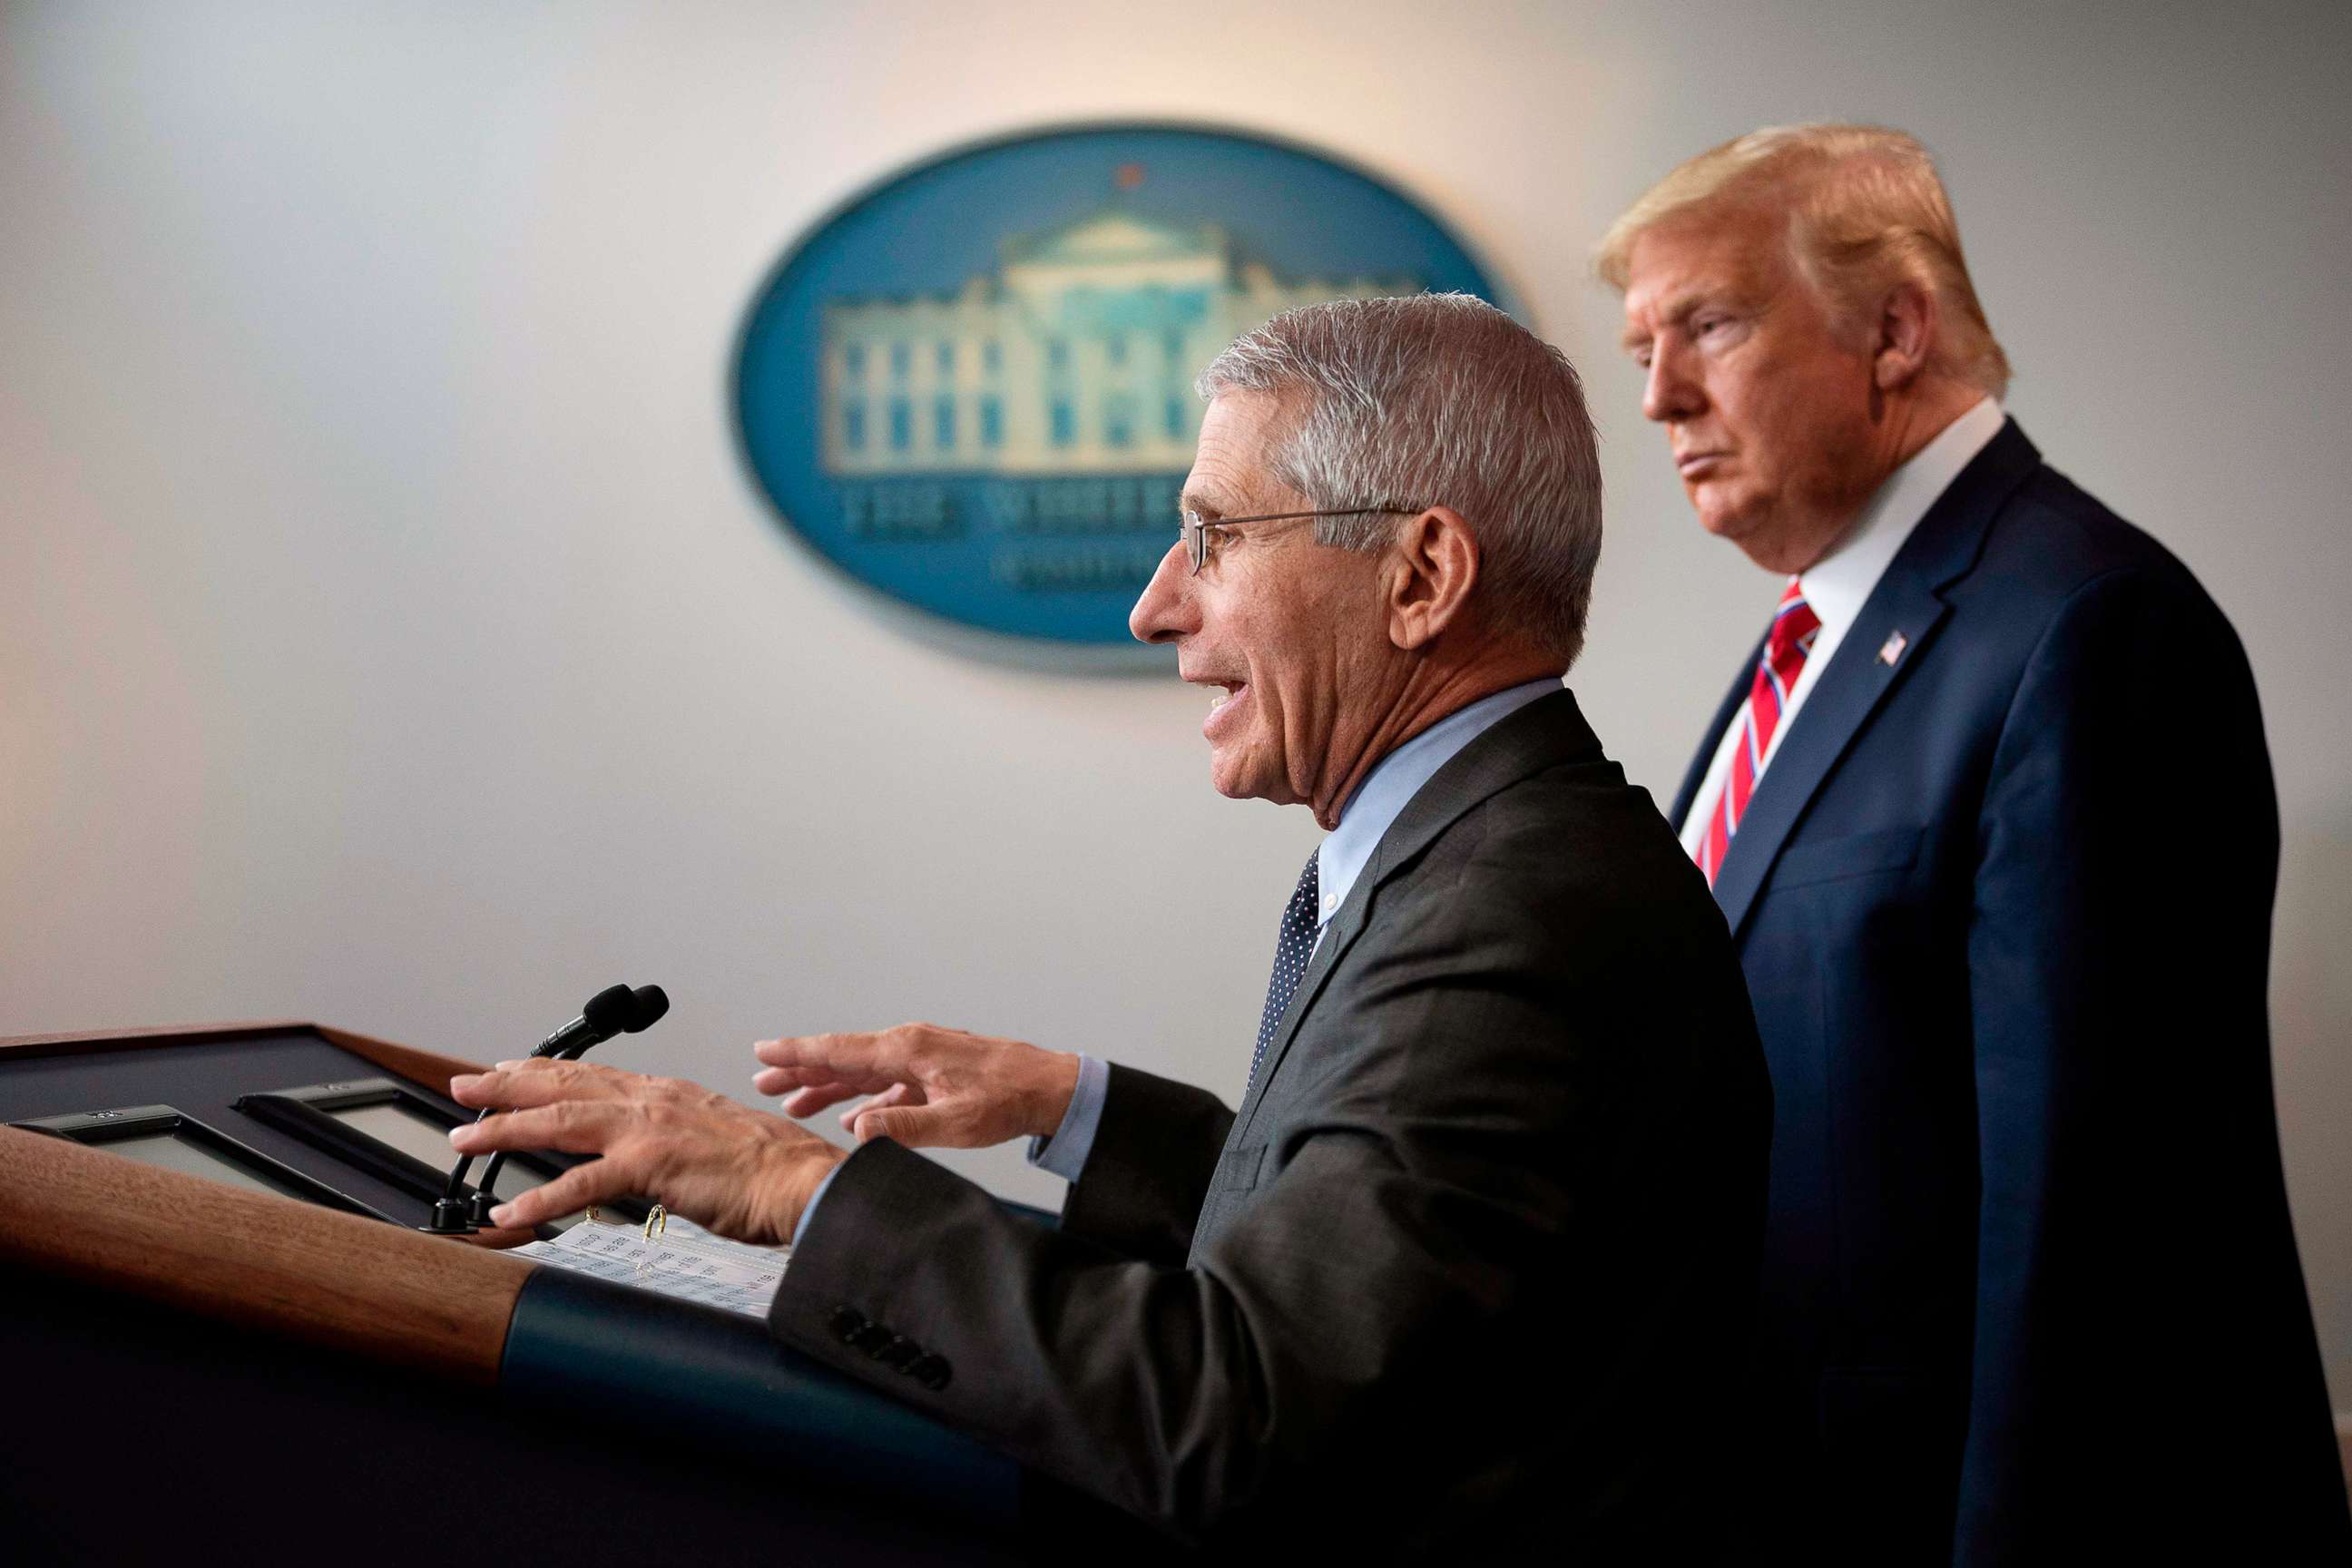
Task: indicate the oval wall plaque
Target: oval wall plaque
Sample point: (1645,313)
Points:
(972,387)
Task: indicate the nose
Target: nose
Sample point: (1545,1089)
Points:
(1166,611)
(1672,392)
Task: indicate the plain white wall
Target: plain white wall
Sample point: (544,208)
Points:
(388,635)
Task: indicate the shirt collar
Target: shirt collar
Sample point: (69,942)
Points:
(1396,778)
(1837,584)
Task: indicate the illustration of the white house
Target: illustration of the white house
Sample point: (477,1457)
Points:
(1077,355)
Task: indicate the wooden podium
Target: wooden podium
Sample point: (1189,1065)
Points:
(234,1372)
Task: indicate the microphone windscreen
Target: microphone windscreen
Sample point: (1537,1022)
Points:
(609,1011)
(652,1001)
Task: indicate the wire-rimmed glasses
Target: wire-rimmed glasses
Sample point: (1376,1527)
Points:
(1194,530)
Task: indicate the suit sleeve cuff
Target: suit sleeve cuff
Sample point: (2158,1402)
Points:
(1065,1154)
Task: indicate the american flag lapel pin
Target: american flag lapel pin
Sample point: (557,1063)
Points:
(1892,648)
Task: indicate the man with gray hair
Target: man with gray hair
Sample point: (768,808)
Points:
(1468,1266)
(1988,811)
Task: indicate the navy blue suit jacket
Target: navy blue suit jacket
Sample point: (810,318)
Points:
(2003,900)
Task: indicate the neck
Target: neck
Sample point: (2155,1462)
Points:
(1923,416)
(1427,693)
(1906,423)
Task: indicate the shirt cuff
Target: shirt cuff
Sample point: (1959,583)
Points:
(815,1198)
(1065,1154)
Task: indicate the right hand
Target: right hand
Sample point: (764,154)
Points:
(929,1086)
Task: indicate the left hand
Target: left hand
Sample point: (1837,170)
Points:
(737,1171)
(947,1088)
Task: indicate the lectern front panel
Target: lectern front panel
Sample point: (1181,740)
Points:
(392,1130)
(406,1125)
(165,1135)
(204,1078)
(174,1153)
(402,1127)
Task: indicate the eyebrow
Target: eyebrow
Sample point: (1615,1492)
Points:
(1674,315)
(1193,500)
(1736,292)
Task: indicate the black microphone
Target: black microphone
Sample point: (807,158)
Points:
(603,1016)
(610,1012)
(646,1005)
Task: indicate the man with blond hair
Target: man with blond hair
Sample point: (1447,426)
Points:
(1988,811)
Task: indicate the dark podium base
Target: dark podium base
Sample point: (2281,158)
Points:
(135,1435)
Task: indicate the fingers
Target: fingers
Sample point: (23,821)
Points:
(813,1072)
(541,1081)
(576,1127)
(784,1081)
(938,1086)
(873,1054)
(597,1182)
(916,1126)
(814,1088)
(897,1094)
(808,1099)
(879,1093)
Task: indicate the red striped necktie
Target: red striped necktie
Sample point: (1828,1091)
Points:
(1794,625)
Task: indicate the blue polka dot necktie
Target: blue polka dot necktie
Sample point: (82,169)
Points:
(1291,948)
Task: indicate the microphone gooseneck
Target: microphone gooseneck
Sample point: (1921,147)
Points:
(608,1013)
(642,1010)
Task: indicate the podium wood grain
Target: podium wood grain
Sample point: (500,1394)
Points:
(252,1258)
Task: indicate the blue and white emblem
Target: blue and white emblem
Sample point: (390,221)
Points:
(971,388)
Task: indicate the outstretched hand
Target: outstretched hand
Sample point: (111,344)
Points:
(737,1171)
(929,1086)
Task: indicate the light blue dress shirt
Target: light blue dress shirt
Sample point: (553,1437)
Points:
(1394,780)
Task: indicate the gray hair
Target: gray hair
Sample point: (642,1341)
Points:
(1440,400)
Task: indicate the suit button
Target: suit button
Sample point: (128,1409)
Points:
(932,1372)
(845,1321)
(870,1339)
(897,1352)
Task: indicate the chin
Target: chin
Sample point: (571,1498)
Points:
(1725,519)
(1754,536)
(1237,781)
(1229,778)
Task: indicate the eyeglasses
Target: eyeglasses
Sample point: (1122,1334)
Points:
(1194,530)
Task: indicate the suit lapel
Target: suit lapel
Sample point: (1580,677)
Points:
(1848,691)
(1339,935)
(1894,632)
(1545,733)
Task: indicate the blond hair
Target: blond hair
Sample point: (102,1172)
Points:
(1866,211)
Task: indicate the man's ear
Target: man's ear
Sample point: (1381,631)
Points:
(1908,324)
(1432,569)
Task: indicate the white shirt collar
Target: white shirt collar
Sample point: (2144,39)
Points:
(1837,586)
(1396,778)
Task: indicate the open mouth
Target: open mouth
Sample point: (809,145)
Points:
(1219,698)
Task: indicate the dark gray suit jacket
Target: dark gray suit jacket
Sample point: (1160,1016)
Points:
(1476,1256)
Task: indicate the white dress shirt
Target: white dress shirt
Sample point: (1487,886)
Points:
(1841,582)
